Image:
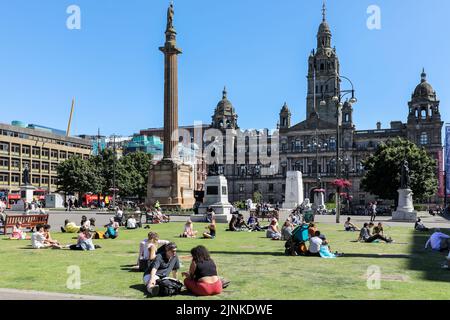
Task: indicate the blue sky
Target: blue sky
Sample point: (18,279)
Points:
(259,49)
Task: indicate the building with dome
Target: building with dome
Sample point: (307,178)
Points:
(310,146)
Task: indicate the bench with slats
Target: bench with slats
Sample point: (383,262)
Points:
(28,221)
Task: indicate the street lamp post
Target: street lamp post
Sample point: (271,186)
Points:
(114,171)
(337,98)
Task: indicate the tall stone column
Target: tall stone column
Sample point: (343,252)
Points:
(171,53)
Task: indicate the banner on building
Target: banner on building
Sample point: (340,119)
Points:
(447,159)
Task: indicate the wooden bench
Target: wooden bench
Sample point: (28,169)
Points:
(28,221)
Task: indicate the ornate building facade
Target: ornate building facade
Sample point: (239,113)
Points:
(310,146)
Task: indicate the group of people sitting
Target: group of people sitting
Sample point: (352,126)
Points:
(369,233)
(158,260)
(237,223)
(111,232)
(189,231)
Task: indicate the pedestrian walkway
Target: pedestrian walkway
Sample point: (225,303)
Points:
(13,294)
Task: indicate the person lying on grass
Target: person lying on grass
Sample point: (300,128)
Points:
(202,278)
(366,236)
(163,265)
(189,231)
(70,227)
(439,241)
(18,233)
(349,226)
(211,233)
(273,232)
(48,236)
(148,249)
(38,240)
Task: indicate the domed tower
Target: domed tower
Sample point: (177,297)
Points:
(285,117)
(224,116)
(323,66)
(424,119)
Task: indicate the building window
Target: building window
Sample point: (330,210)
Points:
(63,155)
(45,180)
(15,148)
(241,188)
(45,153)
(36,180)
(15,164)
(36,151)
(54,154)
(25,151)
(4,162)
(256,188)
(45,166)
(4,147)
(270,187)
(15,178)
(4,178)
(36,165)
(423,139)
(54,181)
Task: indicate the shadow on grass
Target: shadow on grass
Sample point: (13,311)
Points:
(381,256)
(427,261)
(143,289)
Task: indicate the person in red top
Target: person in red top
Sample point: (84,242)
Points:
(202,278)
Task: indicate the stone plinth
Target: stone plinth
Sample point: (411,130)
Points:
(319,201)
(405,210)
(171,183)
(216,197)
(27,196)
(54,201)
(294,190)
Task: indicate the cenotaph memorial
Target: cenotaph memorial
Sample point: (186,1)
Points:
(294,190)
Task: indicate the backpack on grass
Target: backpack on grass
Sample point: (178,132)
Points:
(169,287)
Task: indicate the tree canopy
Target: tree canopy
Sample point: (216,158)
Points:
(383,170)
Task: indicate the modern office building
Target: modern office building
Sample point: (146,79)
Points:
(39,148)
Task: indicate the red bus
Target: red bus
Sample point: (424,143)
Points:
(92,199)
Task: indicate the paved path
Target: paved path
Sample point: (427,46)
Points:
(12,294)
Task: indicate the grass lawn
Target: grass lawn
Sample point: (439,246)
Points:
(256,266)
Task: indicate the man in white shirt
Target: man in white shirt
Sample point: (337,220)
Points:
(144,254)
(315,243)
(131,223)
(438,241)
(38,240)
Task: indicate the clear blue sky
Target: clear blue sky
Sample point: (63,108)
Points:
(258,48)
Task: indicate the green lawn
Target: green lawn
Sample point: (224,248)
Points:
(256,266)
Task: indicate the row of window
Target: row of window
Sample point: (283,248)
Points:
(256,188)
(35,180)
(37,151)
(35,165)
(42,139)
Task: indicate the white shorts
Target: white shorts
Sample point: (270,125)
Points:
(148,278)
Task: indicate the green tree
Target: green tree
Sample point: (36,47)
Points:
(134,168)
(383,170)
(76,175)
(257,197)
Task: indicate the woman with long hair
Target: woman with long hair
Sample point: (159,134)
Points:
(202,278)
(212,230)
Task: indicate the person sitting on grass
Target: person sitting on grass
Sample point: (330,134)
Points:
(211,233)
(273,231)
(286,231)
(202,279)
(148,249)
(160,268)
(378,229)
(38,240)
(315,244)
(240,223)
(85,222)
(349,226)
(112,229)
(84,242)
(189,231)
(325,249)
(70,227)
(18,233)
(232,224)
(132,223)
(439,241)
(48,235)
(366,236)
(312,229)
(419,226)
(253,223)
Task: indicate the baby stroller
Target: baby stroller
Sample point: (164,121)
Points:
(296,245)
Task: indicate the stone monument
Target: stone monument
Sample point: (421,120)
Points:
(216,196)
(170,181)
(26,191)
(294,190)
(405,210)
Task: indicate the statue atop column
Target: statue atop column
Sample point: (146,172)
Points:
(170,15)
(26,176)
(405,182)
